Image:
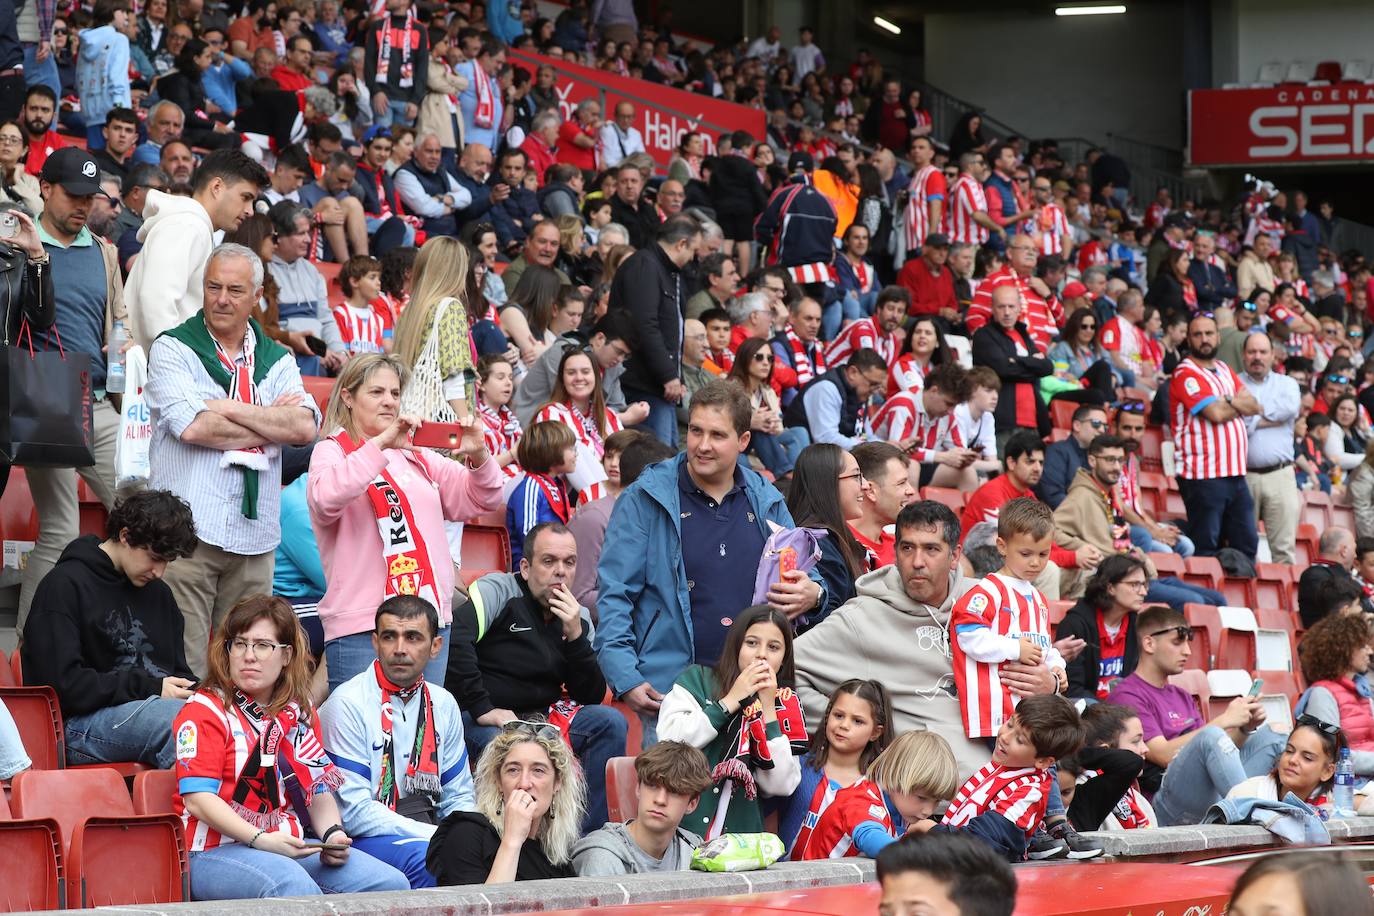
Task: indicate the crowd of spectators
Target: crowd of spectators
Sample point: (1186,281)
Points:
(701,399)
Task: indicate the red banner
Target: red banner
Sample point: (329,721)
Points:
(662,114)
(1281,125)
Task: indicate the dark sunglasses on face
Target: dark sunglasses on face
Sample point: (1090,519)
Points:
(1337,380)
(1183,632)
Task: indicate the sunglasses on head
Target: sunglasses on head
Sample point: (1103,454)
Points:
(536,727)
(1249,306)
(1132,406)
(1182,631)
(1313,722)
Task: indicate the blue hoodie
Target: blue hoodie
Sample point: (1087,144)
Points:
(102,73)
(644,631)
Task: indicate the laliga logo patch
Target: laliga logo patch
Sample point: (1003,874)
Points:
(88,168)
(978,604)
(186,741)
(1191,386)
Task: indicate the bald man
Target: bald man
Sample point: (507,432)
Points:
(671,196)
(619,137)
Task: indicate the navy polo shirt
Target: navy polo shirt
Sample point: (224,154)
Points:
(721,546)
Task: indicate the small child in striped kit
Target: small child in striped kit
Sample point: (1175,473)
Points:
(363,327)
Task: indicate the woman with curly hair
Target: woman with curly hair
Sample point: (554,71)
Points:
(530,800)
(1335,660)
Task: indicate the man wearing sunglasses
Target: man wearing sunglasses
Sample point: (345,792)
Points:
(1063,459)
(1176,736)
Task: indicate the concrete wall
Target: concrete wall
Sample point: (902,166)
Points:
(1281,30)
(1074,76)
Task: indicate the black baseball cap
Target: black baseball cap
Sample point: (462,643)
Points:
(937,240)
(800,160)
(74,169)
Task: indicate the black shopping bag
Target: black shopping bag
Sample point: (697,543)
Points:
(45,406)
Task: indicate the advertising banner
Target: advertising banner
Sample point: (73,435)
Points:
(1279,125)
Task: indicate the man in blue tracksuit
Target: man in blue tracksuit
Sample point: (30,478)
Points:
(689,534)
(797,230)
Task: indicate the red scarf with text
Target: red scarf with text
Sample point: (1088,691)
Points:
(485,113)
(422,772)
(806,368)
(260,795)
(389,34)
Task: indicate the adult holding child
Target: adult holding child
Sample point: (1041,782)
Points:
(362,476)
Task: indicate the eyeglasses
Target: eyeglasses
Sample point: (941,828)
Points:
(1020,180)
(7,140)
(59,31)
(857,475)
(114,202)
(1140,585)
(536,727)
(262,648)
(763,357)
(1324,727)
(1183,632)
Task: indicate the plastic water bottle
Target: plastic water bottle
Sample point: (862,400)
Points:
(114,371)
(1344,794)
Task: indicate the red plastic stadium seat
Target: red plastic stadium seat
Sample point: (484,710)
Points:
(39,720)
(634,727)
(91,511)
(1316,509)
(1059,435)
(1204,571)
(1238,592)
(1279,693)
(947,495)
(1343,517)
(1306,546)
(622,795)
(1206,624)
(153,792)
(1061,414)
(1151,449)
(1273,586)
(485,547)
(1226,684)
(1168,564)
(1328,71)
(1057,611)
(18,517)
(32,852)
(330,271)
(1236,647)
(17,669)
(318,388)
(113,856)
(1194,681)
(1169,505)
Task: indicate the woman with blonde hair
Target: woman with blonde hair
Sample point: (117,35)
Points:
(433,337)
(243,738)
(378,506)
(530,800)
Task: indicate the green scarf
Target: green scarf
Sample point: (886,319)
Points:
(266,352)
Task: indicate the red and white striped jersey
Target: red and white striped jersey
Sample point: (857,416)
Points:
(833,837)
(1043,318)
(1053,227)
(903,416)
(863,333)
(1130,483)
(907,374)
(967,198)
(1203,449)
(362,330)
(1154,215)
(986,627)
(1018,795)
(582,426)
(926,185)
(1120,336)
(501,431)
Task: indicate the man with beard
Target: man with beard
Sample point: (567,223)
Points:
(105,207)
(178,162)
(1209,405)
(137,183)
(896,631)
(39,122)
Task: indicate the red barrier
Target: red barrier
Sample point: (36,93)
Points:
(1281,125)
(662,114)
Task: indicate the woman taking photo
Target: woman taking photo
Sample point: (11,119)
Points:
(775,445)
(434,337)
(1335,660)
(16,184)
(378,506)
(827,492)
(925,349)
(1104,618)
(243,738)
(530,800)
(722,710)
(1348,436)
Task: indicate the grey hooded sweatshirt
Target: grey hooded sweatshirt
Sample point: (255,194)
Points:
(612,851)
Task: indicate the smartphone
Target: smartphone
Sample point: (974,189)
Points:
(438,435)
(9,225)
(332,847)
(787,562)
(316,346)
(1256,686)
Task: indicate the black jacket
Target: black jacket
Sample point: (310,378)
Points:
(189,95)
(520,661)
(735,188)
(1212,283)
(98,639)
(1020,375)
(850,404)
(641,222)
(464,847)
(1313,582)
(30,298)
(1081,621)
(649,286)
(419,61)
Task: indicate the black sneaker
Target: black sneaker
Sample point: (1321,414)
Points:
(1044,846)
(1079,846)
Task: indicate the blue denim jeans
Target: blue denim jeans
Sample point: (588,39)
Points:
(135,732)
(1176,593)
(850,307)
(348,655)
(1140,537)
(406,854)
(779,453)
(395,114)
(598,734)
(1220,513)
(45,73)
(1208,767)
(662,419)
(12,756)
(233,872)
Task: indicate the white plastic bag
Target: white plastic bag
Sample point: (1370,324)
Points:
(135,425)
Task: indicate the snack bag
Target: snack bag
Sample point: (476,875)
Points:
(732,852)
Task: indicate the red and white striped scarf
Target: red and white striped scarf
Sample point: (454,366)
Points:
(806,369)
(485,114)
(242,389)
(386,35)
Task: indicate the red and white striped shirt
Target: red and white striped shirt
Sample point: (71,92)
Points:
(967,199)
(903,416)
(833,837)
(1053,227)
(501,431)
(1120,336)
(862,334)
(926,185)
(1043,318)
(583,427)
(1018,795)
(907,375)
(1154,215)
(362,330)
(1130,483)
(986,627)
(1203,449)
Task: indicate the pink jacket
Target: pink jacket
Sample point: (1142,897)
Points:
(346,527)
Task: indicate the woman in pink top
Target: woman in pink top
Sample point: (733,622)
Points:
(378,505)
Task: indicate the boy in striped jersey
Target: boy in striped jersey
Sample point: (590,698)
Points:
(1004,802)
